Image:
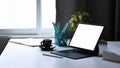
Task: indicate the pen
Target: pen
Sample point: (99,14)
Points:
(52,55)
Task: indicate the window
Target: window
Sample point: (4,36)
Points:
(48,15)
(26,16)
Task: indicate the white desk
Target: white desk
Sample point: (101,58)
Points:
(19,56)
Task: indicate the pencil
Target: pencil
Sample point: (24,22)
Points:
(52,55)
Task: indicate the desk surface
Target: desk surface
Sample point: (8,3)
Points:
(19,56)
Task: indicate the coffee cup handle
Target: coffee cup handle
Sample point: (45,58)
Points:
(41,43)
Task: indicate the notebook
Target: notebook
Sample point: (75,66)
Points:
(84,42)
(3,42)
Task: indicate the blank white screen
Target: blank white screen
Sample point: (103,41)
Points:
(86,36)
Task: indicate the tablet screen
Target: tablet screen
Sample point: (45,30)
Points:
(86,36)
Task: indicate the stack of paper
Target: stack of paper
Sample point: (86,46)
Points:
(114,47)
(111,56)
(113,52)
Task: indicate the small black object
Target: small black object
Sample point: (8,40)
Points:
(47,48)
(46,45)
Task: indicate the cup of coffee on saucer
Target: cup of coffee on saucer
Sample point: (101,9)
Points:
(46,45)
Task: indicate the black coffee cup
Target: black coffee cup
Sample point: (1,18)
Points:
(46,43)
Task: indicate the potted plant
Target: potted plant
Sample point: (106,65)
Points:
(79,17)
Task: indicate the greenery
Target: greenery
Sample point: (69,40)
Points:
(79,17)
